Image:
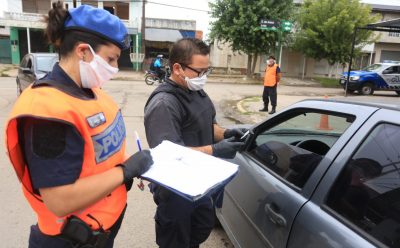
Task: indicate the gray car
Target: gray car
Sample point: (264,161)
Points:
(34,66)
(319,174)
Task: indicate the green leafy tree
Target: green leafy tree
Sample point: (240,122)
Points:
(325,29)
(237,22)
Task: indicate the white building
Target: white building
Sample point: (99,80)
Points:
(21,28)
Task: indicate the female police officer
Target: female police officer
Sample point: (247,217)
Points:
(66,137)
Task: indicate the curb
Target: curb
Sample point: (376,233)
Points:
(222,81)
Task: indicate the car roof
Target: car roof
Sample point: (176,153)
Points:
(382,104)
(43,54)
(388,63)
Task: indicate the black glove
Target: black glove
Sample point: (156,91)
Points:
(226,148)
(136,165)
(235,132)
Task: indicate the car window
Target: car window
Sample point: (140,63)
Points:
(294,147)
(29,63)
(392,70)
(367,192)
(373,67)
(45,63)
(24,61)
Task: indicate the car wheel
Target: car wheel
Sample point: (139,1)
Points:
(398,92)
(19,90)
(366,89)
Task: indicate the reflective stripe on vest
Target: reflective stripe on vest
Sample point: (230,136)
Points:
(270,75)
(102,128)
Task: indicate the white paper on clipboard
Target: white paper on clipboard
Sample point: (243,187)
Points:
(187,171)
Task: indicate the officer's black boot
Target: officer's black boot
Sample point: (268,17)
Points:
(273,110)
(265,108)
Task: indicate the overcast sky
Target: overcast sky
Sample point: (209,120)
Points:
(200,14)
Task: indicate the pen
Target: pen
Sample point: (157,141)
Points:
(141,184)
(138,141)
(245,134)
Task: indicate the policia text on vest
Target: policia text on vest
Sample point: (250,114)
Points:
(66,137)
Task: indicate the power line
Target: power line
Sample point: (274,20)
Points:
(156,3)
(174,6)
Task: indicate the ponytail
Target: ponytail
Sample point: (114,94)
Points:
(54,31)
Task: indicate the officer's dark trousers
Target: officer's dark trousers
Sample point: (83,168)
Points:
(39,240)
(181,223)
(269,93)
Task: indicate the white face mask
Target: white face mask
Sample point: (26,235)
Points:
(96,72)
(196,83)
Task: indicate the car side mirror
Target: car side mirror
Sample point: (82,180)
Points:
(26,70)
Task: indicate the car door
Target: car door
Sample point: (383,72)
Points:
(280,168)
(392,76)
(357,203)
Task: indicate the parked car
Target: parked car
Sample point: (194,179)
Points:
(322,173)
(34,66)
(381,76)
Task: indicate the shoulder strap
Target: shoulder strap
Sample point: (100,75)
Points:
(170,89)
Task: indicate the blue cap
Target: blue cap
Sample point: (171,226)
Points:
(99,22)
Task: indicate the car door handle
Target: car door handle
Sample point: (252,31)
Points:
(274,217)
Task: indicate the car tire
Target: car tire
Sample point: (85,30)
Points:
(366,89)
(19,90)
(398,92)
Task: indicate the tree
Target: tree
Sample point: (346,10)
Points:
(237,22)
(326,27)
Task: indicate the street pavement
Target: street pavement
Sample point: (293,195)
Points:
(235,103)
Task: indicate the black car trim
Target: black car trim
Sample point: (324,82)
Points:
(352,226)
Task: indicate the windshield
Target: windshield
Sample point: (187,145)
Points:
(374,67)
(45,63)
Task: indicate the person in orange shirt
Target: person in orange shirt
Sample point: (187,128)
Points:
(271,80)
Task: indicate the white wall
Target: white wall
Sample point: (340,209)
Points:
(220,52)
(166,12)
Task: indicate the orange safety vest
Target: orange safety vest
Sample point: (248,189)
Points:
(102,128)
(270,75)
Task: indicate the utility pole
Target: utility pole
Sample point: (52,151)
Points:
(143,25)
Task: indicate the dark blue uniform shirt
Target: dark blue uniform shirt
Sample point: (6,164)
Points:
(53,149)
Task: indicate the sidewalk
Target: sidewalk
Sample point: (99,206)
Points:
(7,70)
(126,75)
(221,78)
(246,110)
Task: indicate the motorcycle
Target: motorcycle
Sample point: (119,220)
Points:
(152,77)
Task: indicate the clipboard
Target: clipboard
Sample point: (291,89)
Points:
(188,173)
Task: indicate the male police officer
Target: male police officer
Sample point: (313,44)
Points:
(180,111)
(271,79)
